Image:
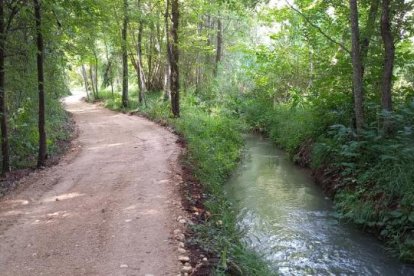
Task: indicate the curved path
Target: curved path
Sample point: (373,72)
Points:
(107,208)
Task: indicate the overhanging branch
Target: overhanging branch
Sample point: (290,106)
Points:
(343,47)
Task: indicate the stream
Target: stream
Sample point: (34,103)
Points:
(287,219)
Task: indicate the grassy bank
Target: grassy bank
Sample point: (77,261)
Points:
(370,177)
(214,144)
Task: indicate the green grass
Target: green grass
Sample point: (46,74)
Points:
(214,143)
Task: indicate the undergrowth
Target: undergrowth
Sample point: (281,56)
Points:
(214,144)
(24,137)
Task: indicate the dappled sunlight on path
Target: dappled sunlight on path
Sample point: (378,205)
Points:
(104,210)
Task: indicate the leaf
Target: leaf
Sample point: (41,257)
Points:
(411,217)
(396,214)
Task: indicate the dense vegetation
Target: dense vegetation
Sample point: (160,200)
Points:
(21,69)
(329,81)
(305,99)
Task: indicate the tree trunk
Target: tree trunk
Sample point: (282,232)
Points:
(369,30)
(219,48)
(125,57)
(85,81)
(174,58)
(109,73)
(167,69)
(3,106)
(208,58)
(357,67)
(150,59)
(40,79)
(199,67)
(388,40)
(92,81)
(96,74)
(141,75)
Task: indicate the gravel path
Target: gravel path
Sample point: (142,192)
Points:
(108,208)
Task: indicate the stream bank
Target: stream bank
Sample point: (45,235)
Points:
(287,219)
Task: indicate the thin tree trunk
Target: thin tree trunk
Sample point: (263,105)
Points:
(199,72)
(125,57)
(369,30)
(106,75)
(141,75)
(3,107)
(208,58)
(174,58)
(150,59)
(92,81)
(109,73)
(96,74)
(158,74)
(85,81)
(112,86)
(357,67)
(40,77)
(167,69)
(219,48)
(389,57)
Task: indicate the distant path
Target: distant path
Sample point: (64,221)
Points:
(106,209)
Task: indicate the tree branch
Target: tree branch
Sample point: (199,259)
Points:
(13,13)
(343,47)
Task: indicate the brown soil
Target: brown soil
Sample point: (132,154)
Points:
(108,208)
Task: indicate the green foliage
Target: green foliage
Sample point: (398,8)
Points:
(302,98)
(24,133)
(288,126)
(377,176)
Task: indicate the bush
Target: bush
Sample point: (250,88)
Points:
(24,137)
(377,176)
(288,126)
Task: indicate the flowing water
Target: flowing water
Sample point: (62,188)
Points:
(287,219)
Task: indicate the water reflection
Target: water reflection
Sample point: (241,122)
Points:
(286,218)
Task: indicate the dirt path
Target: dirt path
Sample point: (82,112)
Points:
(106,209)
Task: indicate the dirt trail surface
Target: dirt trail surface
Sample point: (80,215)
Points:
(108,208)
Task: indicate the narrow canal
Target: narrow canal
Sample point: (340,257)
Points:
(286,218)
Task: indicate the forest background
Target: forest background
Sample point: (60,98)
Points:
(331,82)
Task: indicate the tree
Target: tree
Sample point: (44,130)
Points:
(5,24)
(41,82)
(85,80)
(3,107)
(368,33)
(219,47)
(167,67)
(140,70)
(389,56)
(125,56)
(174,58)
(357,67)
